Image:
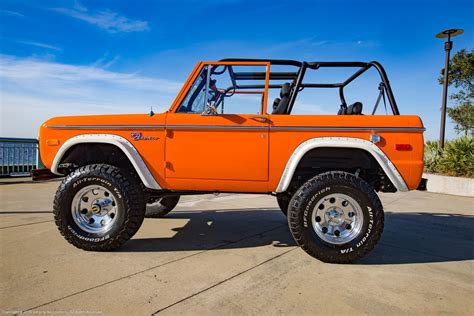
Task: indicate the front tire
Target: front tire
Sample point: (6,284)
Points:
(98,207)
(336,217)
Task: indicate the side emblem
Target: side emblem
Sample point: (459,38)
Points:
(139,136)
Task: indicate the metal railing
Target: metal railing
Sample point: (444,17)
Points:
(18,156)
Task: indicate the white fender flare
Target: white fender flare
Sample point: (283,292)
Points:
(124,145)
(340,142)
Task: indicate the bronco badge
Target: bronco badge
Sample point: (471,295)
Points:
(139,136)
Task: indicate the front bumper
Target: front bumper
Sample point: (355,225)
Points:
(43,175)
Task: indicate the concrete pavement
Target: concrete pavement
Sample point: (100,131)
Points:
(233,254)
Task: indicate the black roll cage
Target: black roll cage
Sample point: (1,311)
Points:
(298,76)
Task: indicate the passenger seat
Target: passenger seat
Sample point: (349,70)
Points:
(280,105)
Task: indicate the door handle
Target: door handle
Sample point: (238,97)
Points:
(262,119)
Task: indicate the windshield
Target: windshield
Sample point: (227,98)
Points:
(218,91)
(194,100)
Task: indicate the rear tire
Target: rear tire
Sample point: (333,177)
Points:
(336,217)
(98,207)
(161,207)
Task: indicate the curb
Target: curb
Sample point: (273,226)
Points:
(449,185)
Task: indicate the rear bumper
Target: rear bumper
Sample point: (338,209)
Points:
(422,185)
(43,175)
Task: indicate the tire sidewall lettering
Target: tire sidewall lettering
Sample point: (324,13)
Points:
(370,225)
(92,239)
(75,185)
(367,209)
(101,181)
(309,207)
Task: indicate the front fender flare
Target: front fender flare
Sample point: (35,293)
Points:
(124,145)
(340,142)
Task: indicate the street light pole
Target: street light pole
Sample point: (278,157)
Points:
(448,45)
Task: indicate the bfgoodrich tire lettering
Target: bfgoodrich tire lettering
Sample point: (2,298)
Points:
(127,198)
(303,204)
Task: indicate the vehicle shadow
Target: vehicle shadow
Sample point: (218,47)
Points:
(409,237)
(216,229)
(419,237)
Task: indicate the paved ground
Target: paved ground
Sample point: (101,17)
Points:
(233,254)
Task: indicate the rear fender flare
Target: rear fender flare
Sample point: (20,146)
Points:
(124,145)
(340,142)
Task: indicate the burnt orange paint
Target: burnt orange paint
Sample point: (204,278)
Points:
(242,160)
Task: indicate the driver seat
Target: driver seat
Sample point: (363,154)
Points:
(280,105)
(353,109)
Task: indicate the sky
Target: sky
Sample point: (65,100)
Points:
(99,57)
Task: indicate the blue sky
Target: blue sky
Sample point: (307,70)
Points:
(78,57)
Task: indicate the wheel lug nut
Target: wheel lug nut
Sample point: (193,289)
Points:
(337,233)
(102,222)
(348,226)
(325,230)
(351,214)
(321,206)
(85,199)
(332,200)
(345,203)
(112,215)
(84,211)
(91,221)
(318,219)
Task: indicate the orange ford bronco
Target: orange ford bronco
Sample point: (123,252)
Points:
(222,134)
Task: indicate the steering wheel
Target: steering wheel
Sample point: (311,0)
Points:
(210,109)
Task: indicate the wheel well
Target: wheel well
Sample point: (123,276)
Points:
(352,160)
(89,153)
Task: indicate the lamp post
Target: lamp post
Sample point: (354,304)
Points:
(447,48)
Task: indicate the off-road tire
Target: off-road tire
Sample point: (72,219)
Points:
(161,207)
(129,200)
(283,201)
(303,204)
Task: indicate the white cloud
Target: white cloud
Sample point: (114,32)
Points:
(38,44)
(12,13)
(33,90)
(25,69)
(108,20)
(104,63)
(79,7)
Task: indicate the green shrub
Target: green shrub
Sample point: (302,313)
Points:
(432,155)
(457,158)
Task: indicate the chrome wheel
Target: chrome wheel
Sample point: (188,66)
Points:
(94,209)
(337,218)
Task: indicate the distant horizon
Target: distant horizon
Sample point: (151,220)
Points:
(60,58)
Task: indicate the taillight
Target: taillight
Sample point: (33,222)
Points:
(403,147)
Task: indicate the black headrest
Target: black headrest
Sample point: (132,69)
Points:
(285,90)
(354,109)
(276,102)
